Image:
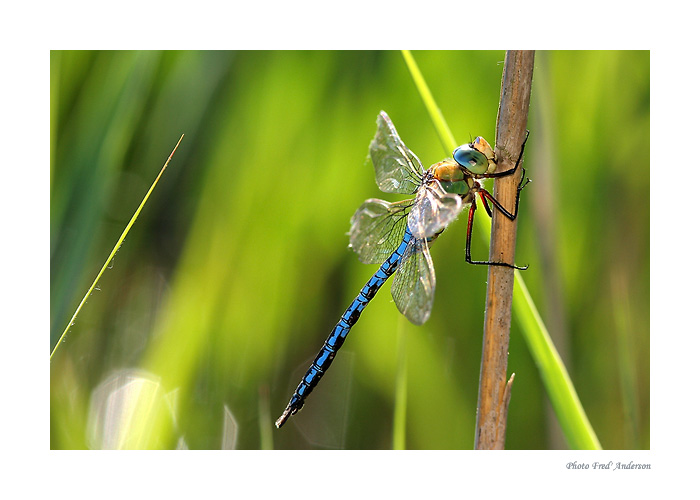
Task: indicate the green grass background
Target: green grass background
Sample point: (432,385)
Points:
(238,267)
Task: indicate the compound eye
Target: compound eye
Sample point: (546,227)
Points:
(471,159)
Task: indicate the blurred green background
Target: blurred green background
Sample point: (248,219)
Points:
(238,267)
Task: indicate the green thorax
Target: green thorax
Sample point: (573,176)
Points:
(451,177)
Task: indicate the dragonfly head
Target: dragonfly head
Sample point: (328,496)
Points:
(476,157)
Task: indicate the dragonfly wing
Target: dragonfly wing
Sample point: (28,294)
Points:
(396,168)
(413,289)
(433,211)
(377,229)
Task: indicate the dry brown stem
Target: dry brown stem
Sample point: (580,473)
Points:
(494,389)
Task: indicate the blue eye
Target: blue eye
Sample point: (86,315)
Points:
(471,159)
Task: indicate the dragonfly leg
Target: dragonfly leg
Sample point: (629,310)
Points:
(517,163)
(485,195)
(524,181)
(486,205)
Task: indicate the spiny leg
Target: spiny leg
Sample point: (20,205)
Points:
(517,163)
(524,181)
(486,205)
(470,221)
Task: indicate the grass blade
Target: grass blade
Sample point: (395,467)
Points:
(115,249)
(572,418)
(443,131)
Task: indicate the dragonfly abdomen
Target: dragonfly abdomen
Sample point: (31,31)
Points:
(340,332)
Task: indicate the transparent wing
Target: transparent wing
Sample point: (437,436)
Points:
(396,168)
(433,210)
(377,228)
(414,283)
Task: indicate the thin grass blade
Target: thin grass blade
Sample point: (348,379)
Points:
(115,249)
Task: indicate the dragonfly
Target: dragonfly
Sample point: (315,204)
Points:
(399,235)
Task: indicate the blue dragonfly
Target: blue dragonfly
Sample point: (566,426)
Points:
(398,235)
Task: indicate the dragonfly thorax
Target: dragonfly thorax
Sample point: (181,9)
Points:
(452,177)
